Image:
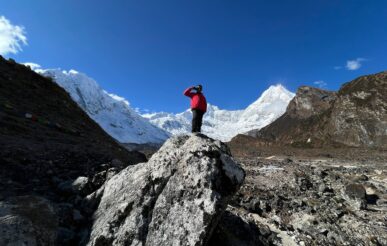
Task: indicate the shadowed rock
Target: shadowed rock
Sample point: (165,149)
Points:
(176,198)
(27,220)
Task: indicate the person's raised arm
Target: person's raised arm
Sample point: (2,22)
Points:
(188,92)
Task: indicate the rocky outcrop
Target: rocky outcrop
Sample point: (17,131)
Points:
(354,116)
(310,102)
(176,198)
(359,115)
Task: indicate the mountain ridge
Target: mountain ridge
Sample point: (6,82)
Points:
(113,113)
(116,116)
(355,116)
(225,124)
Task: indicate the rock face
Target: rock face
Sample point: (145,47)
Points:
(310,102)
(176,198)
(355,116)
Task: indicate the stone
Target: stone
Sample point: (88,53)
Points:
(355,191)
(234,230)
(176,198)
(382,202)
(363,177)
(66,187)
(65,236)
(324,189)
(77,216)
(80,185)
(118,164)
(27,220)
(321,188)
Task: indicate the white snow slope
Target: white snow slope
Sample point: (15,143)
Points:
(113,113)
(225,124)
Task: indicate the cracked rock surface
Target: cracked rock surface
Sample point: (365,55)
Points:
(176,198)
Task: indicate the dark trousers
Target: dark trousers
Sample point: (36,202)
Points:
(197,119)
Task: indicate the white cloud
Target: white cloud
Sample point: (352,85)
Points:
(354,64)
(337,67)
(320,83)
(12,37)
(118,98)
(32,65)
(142,111)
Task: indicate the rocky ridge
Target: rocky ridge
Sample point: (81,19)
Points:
(354,116)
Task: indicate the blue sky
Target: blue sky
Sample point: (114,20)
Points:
(149,51)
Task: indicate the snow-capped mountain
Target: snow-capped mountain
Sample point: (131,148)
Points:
(225,124)
(113,113)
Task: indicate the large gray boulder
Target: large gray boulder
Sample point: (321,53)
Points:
(176,198)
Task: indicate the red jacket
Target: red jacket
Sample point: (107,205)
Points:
(198,101)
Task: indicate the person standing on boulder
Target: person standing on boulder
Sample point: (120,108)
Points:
(198,106)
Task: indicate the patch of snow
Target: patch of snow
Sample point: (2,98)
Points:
(362,94)
(270,157)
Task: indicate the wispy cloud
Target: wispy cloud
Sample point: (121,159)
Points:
(354,64)
(320,83)
(118,98)
(12,37)
(337,67)
(32,65)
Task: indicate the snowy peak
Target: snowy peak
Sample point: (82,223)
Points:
(277,90)
(225,124)
(274,101)
(272,94)
(84,90)
(269,106)
(113,113)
